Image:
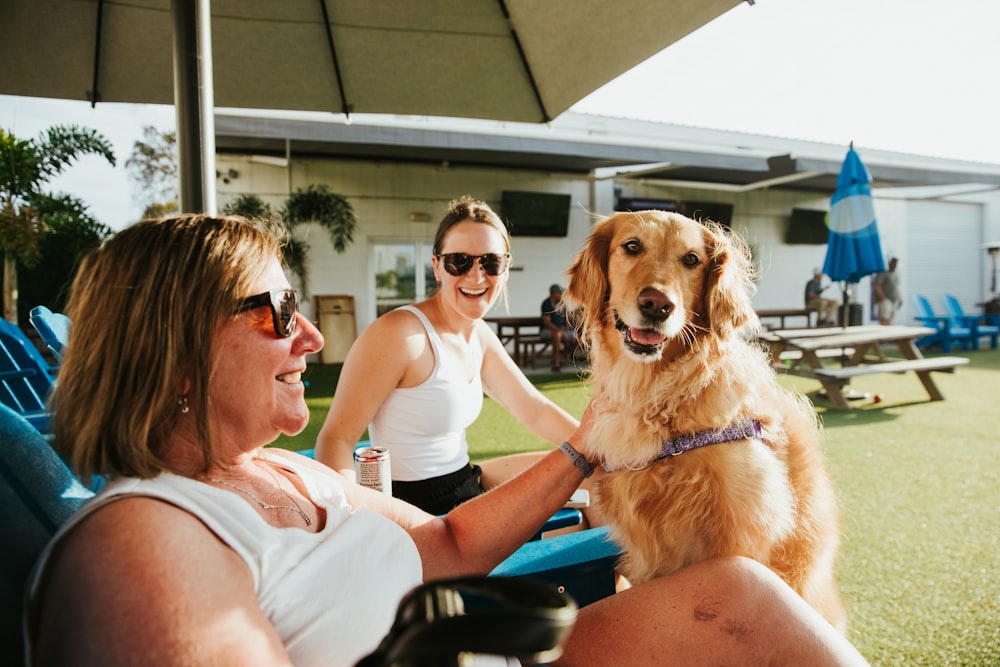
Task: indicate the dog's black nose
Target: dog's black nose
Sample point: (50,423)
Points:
(654,304)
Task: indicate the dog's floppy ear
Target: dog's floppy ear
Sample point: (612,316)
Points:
(729,285)
(587,290)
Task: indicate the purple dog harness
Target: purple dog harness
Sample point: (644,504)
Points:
(745,428)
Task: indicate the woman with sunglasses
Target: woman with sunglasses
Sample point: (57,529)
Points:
(206,548)
(416,376)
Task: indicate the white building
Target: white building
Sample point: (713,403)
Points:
(935,215)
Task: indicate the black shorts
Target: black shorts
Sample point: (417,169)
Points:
(440,495)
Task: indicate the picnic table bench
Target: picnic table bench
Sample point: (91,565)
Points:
(524,335)
(866,357)
(922,367)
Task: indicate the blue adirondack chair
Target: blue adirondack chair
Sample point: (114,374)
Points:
(26,378)
(38,493)
(980,328)
(52,328)
(948,331)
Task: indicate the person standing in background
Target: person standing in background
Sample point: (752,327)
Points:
(887,293)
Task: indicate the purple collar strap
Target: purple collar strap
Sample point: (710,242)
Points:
(740,430)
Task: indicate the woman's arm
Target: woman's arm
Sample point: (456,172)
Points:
(477,535)
(375,365)
(505,383)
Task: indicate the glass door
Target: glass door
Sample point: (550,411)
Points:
(400,278)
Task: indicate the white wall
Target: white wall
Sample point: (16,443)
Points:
(384,195)
(761,218)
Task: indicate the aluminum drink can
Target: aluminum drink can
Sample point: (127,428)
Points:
(371,466)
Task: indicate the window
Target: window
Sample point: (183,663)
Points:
(397,279)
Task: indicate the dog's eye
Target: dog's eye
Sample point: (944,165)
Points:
(632,246)
(691,260)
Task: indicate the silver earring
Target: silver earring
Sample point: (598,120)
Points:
(183,402)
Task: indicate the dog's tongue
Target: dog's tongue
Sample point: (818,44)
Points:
(646,336)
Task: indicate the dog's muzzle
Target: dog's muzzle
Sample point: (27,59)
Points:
(643,342)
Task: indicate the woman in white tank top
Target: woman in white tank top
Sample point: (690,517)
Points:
(416,376)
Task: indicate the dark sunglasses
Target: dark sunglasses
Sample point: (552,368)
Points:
(459,263)
(283,304)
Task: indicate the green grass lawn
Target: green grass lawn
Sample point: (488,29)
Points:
(919,487)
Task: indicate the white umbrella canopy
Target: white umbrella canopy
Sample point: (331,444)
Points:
(519,60)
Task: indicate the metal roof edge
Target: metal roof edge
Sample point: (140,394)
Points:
(581,142)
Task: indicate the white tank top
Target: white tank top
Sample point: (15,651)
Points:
(424,426)
(331,595)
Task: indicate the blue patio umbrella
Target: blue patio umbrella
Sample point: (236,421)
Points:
(853,248)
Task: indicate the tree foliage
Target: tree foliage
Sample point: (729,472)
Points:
(70,233)
(26,166)
(153,167)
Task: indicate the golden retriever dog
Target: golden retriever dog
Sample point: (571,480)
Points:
(704,453)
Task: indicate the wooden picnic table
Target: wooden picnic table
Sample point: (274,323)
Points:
(514,329)
(782,313)
(862,355)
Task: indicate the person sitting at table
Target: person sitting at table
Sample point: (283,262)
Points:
(825,308)
(204,547)
(416,376)
(555,327)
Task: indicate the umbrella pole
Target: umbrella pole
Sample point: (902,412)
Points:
(194,104)
(844,319)
(845,309)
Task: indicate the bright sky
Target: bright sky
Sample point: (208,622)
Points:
(915,76)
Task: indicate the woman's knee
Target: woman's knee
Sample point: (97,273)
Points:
(725,609)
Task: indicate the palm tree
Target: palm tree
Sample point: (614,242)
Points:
(314,204)
(26,166)
(70,234)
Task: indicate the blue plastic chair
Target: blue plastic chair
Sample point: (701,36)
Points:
(52,328)
(980,329)
(581,563)
(948,331)
(26,378)
(38,493)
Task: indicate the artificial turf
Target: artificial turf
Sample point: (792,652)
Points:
(919,489)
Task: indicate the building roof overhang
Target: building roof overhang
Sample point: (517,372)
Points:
(601,147)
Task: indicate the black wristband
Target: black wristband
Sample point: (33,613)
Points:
(578,459)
